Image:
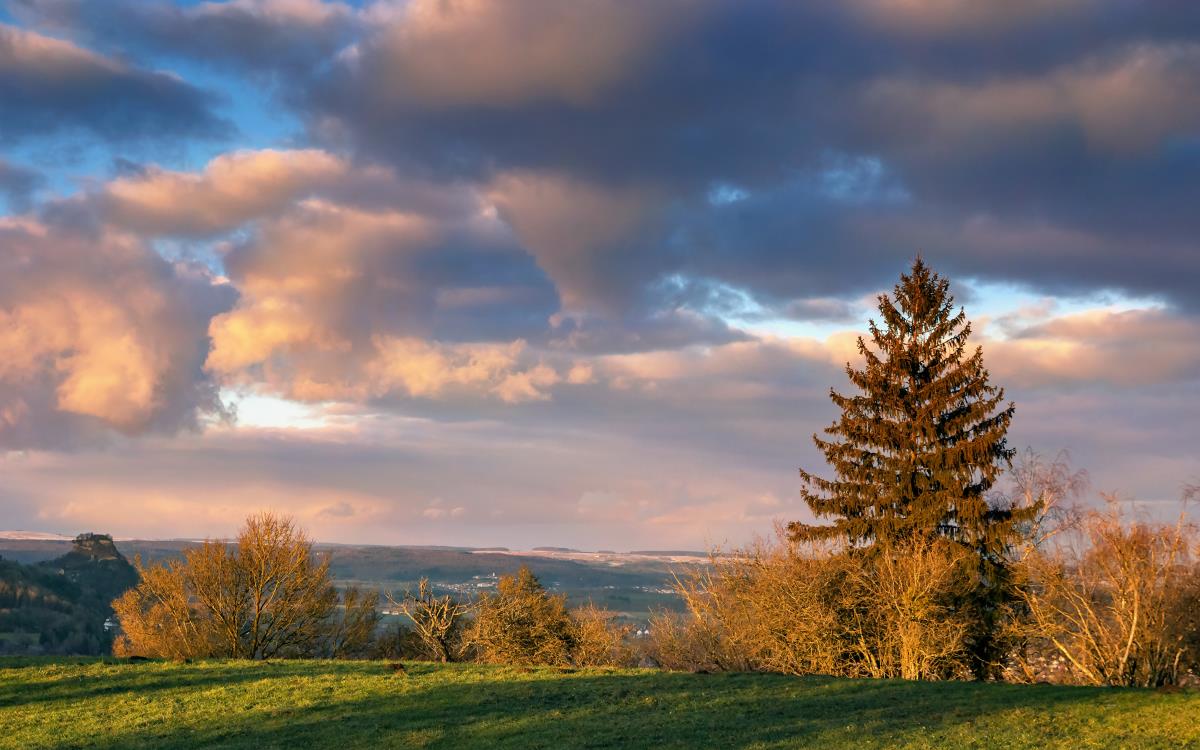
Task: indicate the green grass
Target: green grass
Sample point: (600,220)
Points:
(58,703)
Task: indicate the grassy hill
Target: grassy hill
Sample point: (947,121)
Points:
(47,703)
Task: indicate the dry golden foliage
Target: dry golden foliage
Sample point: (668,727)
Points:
(267,596)
(600,641)
(888,613)
(1121,608)
(437,620)
(522,624)
(157,618)
(901,600)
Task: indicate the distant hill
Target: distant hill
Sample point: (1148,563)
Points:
(34,535)
(60,606)
(629,583)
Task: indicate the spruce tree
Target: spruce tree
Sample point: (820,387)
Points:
(916,451)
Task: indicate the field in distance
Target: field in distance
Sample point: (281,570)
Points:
(56,703)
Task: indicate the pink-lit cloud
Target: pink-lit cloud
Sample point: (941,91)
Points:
(99,333)
(232,189)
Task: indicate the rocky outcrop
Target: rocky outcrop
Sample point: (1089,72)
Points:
(95,547)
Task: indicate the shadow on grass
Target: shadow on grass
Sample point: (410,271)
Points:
(114,676)
(441,708)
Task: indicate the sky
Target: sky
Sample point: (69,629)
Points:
(576,273)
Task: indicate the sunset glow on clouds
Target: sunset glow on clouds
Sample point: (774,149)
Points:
(579,273)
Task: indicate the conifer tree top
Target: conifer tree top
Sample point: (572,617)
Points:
(915,451)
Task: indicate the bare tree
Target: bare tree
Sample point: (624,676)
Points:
(266,596)
(1051,486)
(437,620)
(354,633)
(1120,609)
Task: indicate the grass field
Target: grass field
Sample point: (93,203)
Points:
(60,703)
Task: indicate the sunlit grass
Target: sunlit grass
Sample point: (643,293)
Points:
(97,703)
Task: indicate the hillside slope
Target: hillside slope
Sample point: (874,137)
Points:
(60,606)
(91,703)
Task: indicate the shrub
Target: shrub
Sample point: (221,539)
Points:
(522,624)
(266,596)
(600,641)
(437,622)
(1122,607)
(885,612)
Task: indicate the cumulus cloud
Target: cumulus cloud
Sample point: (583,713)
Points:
(467,53)
(1133,348)
(262,35)
(98,334)
(590,239)
(339,302)
(51,86)
(232,189)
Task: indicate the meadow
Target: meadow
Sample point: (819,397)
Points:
(108,703)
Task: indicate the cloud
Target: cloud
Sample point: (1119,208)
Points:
(467,53)
(940,17)
(52,86)
(874,115)
(233,188)
(17,184)
(1123,104)
(260,35)
(98,336)
(1129,349)
(525,237)
(591,240)
(340,302)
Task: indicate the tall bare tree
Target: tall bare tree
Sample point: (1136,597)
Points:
(268,595)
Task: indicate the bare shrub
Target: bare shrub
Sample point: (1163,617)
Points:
(887,612)
(600,641)
(438,621)
(899,613)
(758,608)
(687,643)
(1120,608)
(266,596)
(157,618)
(353,633)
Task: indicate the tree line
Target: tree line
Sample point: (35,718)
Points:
(917,567)
(270,595)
